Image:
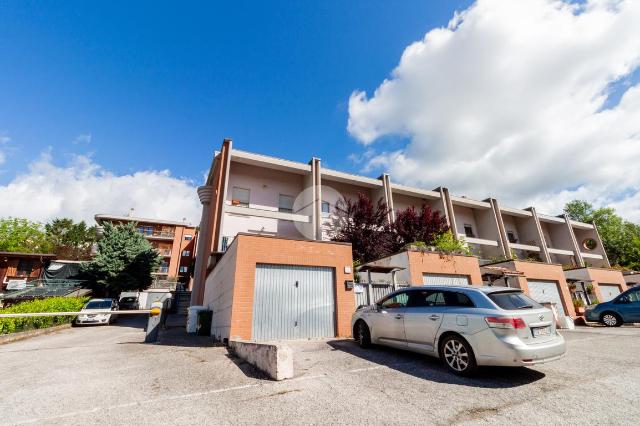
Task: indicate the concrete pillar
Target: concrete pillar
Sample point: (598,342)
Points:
(451,218)
(388,197)
(316,169)
(502,233)
(205,193)
(544,250)
(604,251)
(574,241)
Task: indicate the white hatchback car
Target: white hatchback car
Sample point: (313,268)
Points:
(466,326)
(88,314)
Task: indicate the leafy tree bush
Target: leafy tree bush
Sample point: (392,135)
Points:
(22,235)
(69,240)
(365,226)
(446,243)
(411,226)
(53,304)
(124,262)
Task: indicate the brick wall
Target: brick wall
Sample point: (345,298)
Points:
(437,263)
(251,250)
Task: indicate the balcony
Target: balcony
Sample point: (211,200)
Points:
(479,241)
(156,234)
(560,251)
(270,214)
(164,252)
(526,247)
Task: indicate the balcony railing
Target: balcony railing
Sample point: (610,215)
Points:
(156,234)
(165,252)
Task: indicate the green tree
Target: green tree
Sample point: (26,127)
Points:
(22,235)
(620,238)
(124,262)
(72,241)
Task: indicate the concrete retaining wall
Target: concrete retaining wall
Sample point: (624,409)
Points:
(275,360)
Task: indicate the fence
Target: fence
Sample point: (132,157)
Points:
(372,292)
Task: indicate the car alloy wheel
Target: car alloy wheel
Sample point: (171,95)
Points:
(610,320)
(456,355)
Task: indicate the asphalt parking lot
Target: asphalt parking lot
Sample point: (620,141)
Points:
(106,375)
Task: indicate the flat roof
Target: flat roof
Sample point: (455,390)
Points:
(21,254)
(109,217)
(345,177)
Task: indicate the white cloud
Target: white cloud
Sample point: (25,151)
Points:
(3,140)
(507,101)
(84,138)
(83,188)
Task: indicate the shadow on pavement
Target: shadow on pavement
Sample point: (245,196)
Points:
(428,368)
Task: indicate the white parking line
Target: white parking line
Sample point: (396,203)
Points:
(165,398)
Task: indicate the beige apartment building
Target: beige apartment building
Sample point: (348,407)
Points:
(248,193)
(174,241)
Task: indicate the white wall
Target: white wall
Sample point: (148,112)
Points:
(331,193)
(265,186)
(218,293)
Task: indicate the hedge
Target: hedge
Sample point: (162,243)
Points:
(53,304)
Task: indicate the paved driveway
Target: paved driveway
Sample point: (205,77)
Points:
(105,375)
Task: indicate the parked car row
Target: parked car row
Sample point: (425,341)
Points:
(93,311)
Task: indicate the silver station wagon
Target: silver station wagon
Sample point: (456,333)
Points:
(466,326)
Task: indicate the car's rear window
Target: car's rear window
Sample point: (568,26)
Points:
(512,300)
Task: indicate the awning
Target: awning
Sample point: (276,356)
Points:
(500,271)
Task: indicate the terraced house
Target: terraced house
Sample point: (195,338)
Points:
(553,258)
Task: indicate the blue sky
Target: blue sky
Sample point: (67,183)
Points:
(157,85)
(534,102)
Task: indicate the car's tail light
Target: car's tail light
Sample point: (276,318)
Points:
(505,322)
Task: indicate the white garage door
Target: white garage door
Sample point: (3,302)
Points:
(444,279)
(609,291)
(546,291)
(293,302)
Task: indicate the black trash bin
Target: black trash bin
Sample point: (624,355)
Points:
(203,325)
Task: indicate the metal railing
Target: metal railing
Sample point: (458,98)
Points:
(369,293)
(161,234)
(164,252)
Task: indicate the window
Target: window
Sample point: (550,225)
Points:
(25,267)
(511,237)
(397,301)
(326,208)
(589,244)
(184,269)
(512,300)
(285,203)
(468,231)
(188,237)
(458,299)
(427,298)
(186,253)
(240,197)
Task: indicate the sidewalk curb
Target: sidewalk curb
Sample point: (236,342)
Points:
(14,337)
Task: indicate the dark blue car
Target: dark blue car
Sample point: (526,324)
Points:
(623,309)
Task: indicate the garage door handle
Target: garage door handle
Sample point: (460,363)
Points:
(434,317)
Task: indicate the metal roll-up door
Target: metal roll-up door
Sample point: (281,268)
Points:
(445,279)
(609,291)
(293,302)
(546,291)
